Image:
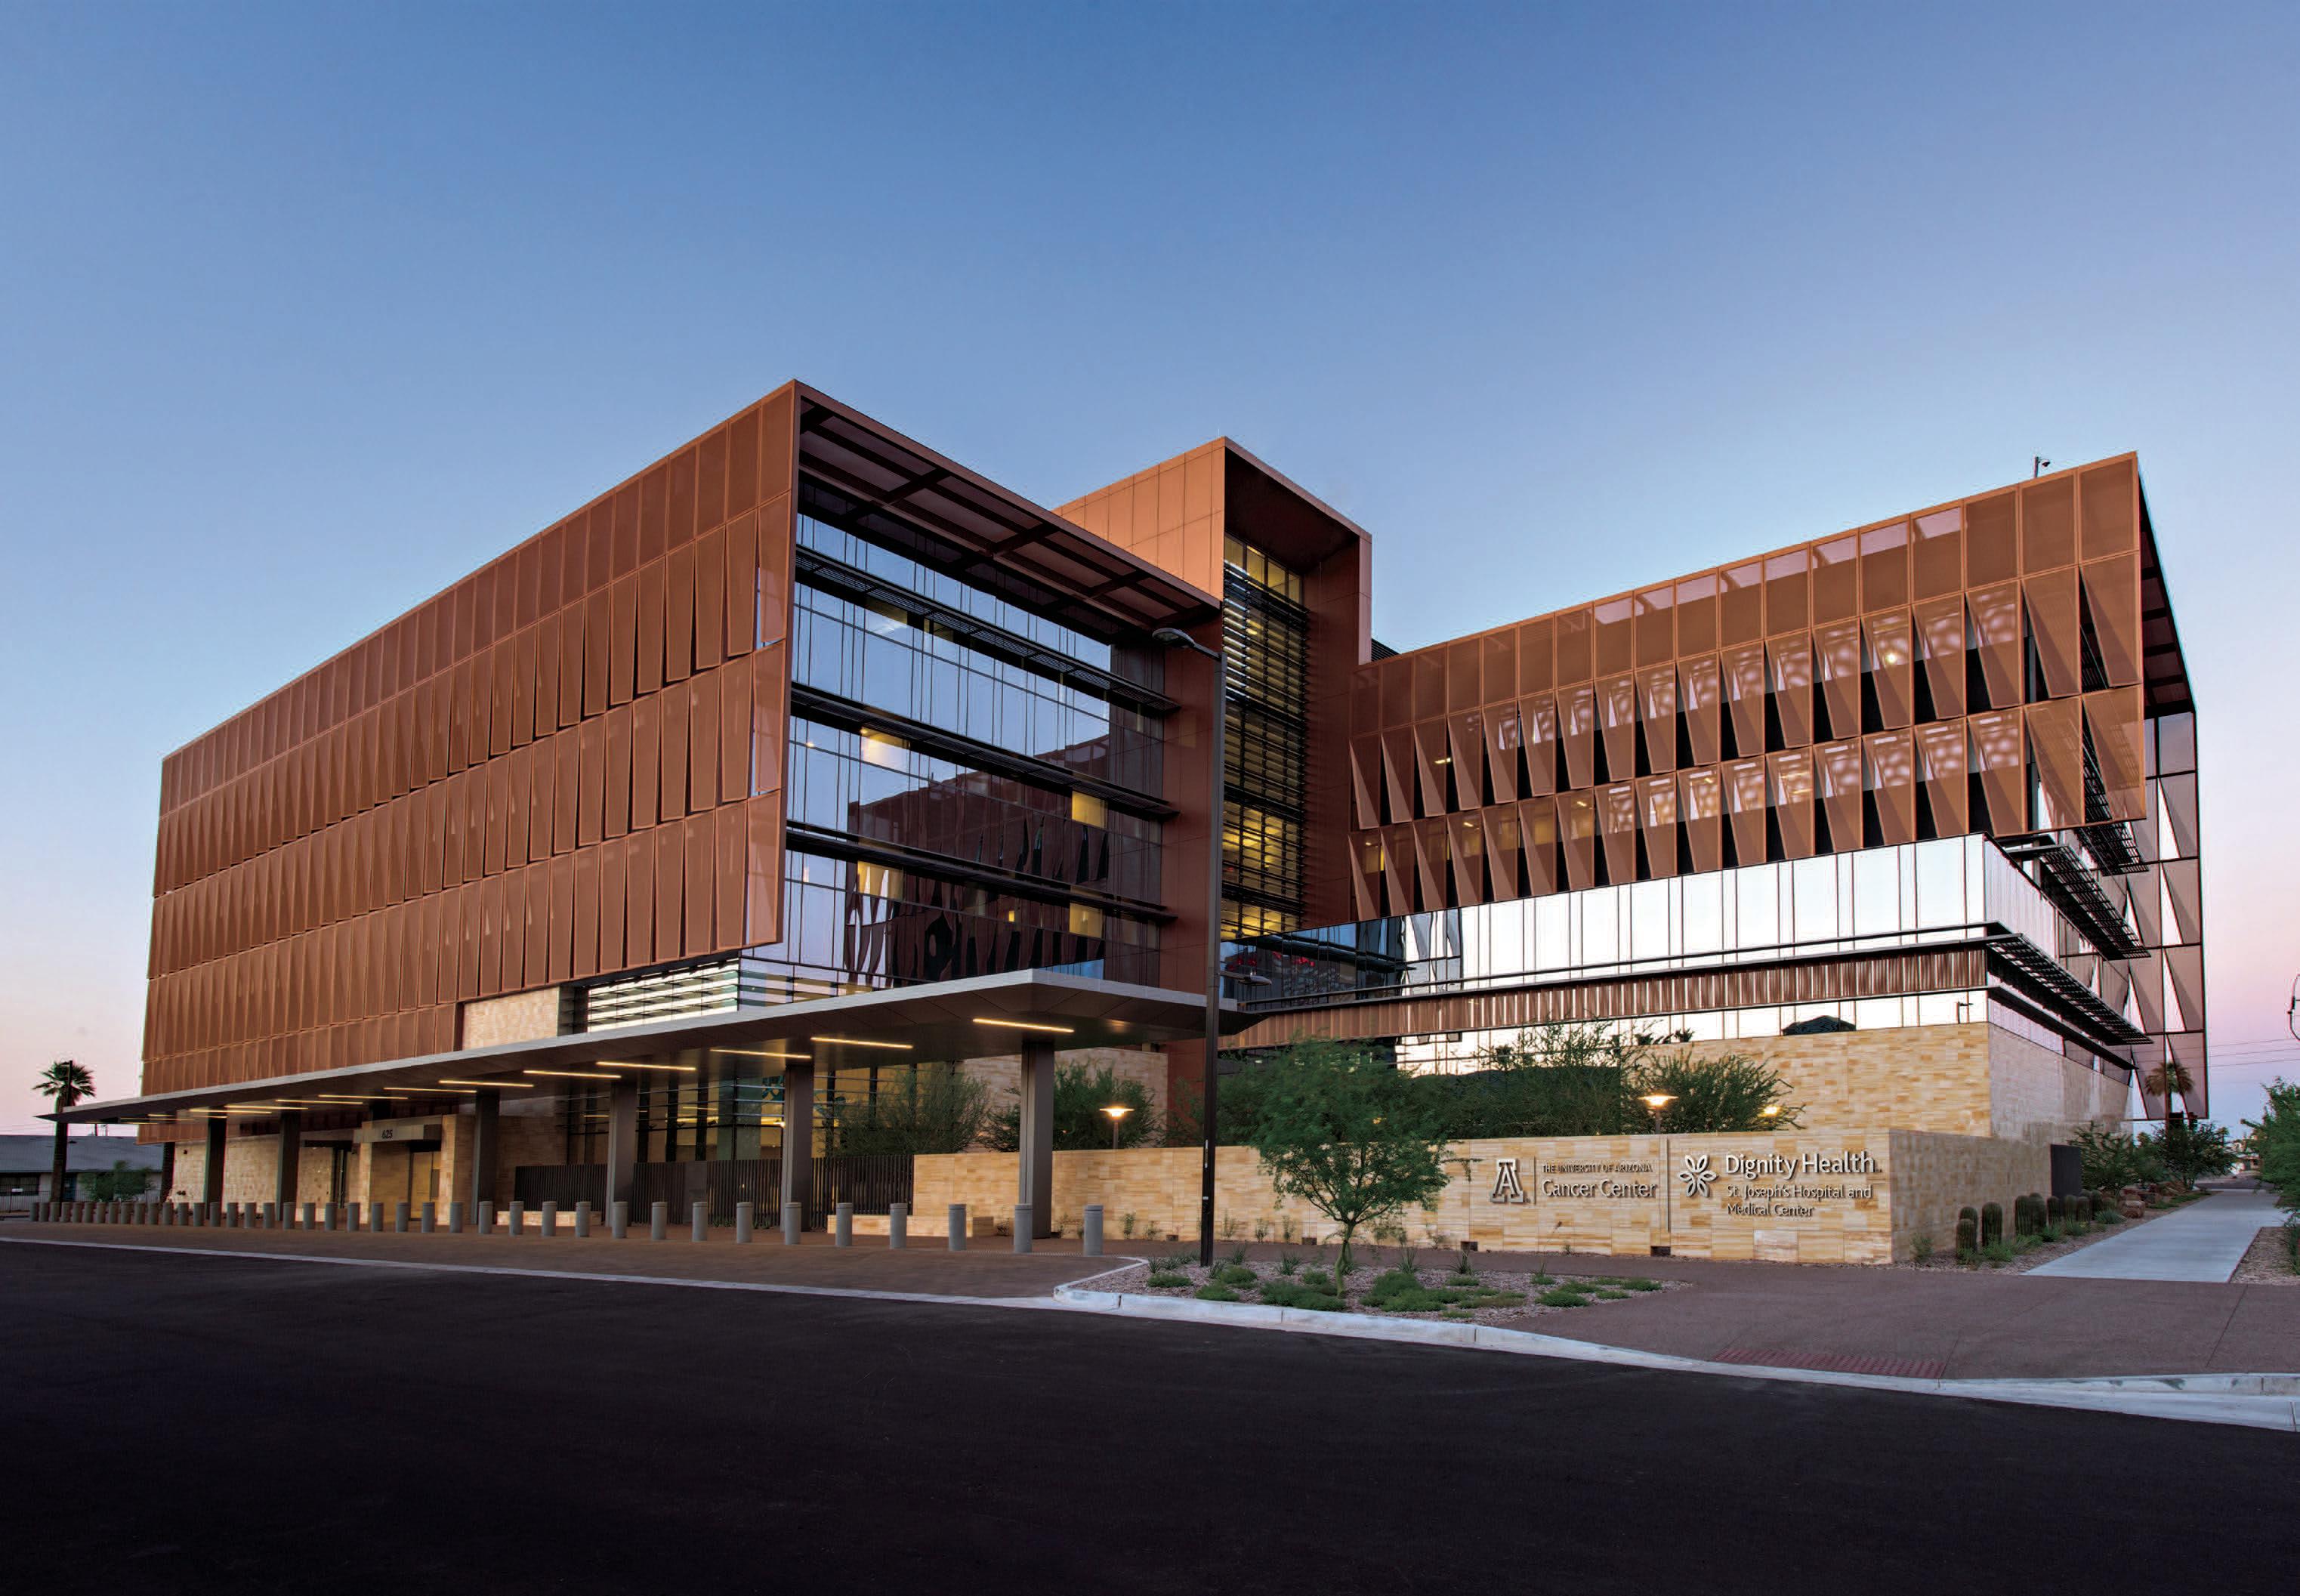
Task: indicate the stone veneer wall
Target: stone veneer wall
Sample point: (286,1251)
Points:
(1933,1177)
(251,1171)
(522,1016)
(2038,1095)
(1618,1196)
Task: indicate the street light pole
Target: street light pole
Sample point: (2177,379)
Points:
(1175,637)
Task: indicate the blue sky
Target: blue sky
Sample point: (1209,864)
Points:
(305,310)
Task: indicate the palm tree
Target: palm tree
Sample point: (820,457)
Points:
(2166,1079)
(67,1082)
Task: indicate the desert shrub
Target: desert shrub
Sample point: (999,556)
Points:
(1641,1285)
(1288,1263)
(1289,1293)
(1318,1279)
(1215,1291)
(1162,1279)
(1992,1224)
(1562,1296)
(1606,1293)
(1235,1274)
(1999,1251)
(1920,1250)
(2111,1215)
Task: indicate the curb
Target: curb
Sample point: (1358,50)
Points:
(2257,1401)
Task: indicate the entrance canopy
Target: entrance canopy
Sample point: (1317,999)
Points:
(948,1021)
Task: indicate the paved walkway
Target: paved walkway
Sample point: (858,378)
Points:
(2204,1241)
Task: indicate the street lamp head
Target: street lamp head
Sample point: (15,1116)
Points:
(1117,1111)
(1771,1110)
(1657,1100)
(1175,637)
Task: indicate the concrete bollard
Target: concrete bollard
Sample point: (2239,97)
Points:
(270,1216)
(309,1214)
(517,1226)
(487,1220)
(744,1212)
(842,1226)
(375,1218)
(1022,1226)
(211,1216)
(454,1219)
(231,1216)
(659,1222)
(1091,1241)
(551,1221)
(582,1220)
(430,1218)
(331,1216)
(619,1220)
(793,1223)
(698,1223)
(898,1224)
(399,1218)
(958,1228)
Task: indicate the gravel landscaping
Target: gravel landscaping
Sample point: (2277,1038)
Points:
(2265,1262)
(1400,1286)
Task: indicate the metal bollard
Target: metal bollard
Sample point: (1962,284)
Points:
(958,1228)
(487,1219)
(231,1216)
(331,1216)
(375,1218)
(454,1219)
(1092,1243)
(619,1219)
(310,1214)
(270,1216)
(582,1220)
(399,1218)
(1022,1226)
(517,1225)
(898,1224)
(842,1226)
(794,1222)
(743,1211)
(699,1222)
(659,1222)
(551,1221)
(430,1218)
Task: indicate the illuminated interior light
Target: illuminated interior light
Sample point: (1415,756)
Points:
(627,1064)
(763,1053)
(576,1075)
(511,1086)
(1024,1025)
(859,1042)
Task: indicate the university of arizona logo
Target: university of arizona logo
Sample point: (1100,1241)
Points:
(1697,1175)
(1506,1188)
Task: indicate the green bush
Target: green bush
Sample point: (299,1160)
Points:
(2111,1215)
(1079,1124)
(1999,1251)
(1992,1224)
(1606,1293)
(1641,1285)
(1563,1296)
(1235,1274)
(1317,1279)
(1213,1292)
(1920,1250)
(1288,1294)
(1162,1279)
(1288,1263)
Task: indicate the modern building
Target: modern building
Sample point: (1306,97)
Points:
(807,755)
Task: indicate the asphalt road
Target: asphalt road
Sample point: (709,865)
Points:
(189,1424)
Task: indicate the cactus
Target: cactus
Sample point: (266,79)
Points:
(1968,1233)
(1992,1223)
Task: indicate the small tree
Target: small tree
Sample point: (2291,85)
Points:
(2190,1151)
(1346,1133)
(64,1084)
(1080,1096)
(2276,1139)
(1728,1092)
(938,1108)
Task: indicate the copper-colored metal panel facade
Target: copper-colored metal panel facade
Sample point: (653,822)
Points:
(2002,664)
(450,809)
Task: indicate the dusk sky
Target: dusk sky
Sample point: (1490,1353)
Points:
(305,310)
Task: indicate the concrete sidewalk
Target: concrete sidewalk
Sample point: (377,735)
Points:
(2203,1241)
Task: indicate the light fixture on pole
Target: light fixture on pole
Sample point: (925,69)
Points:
(1658,1103)
(1117,1111)
(1218,709)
